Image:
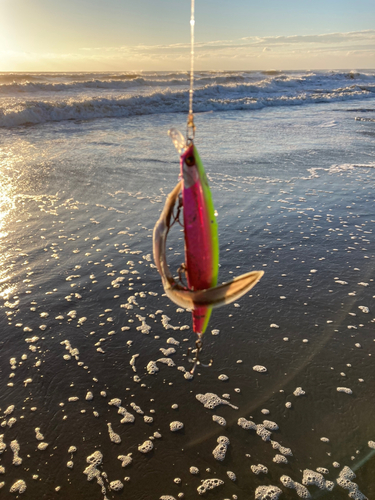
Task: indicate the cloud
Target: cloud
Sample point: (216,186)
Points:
(318,38)
(285,50)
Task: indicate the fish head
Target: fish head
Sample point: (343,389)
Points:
(189,166)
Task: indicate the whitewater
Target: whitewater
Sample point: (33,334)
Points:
(35,98)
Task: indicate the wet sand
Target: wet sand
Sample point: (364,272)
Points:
(84,314)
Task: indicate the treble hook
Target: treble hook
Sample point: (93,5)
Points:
(197,350)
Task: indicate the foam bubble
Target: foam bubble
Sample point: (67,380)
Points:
(11,422)
(115,438)
(299,392)
(39,436)
(146,447)
(18,487)
(166,361)
(263,432)
(280,459)
(272,426)
(132,362)
(15,447)
(128,418)
(152,368)
(70,464)
(211,400)
(209,484)
(371,444)
(267,493)
(301,490)
(167,352)
(221,449)
(246,424)
(346,390)
(259,469)
(219,420)
(232,476)
(116,485)
(115,402)
(215,332)
(223,377)
(136,408)
(194,470)
(282,449)
(42,446)
(260,368)
(364,309)
(167,497)
(91,470)
(176,426)
(345,481)
(125,459)
(9,410)
(172,341)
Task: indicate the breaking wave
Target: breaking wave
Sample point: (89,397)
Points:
(34,100)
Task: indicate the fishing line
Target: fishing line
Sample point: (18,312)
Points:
(190,132)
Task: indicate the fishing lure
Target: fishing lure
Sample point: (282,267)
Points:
(202,294)
(192,194)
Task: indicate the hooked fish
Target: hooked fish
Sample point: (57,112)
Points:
(201,243)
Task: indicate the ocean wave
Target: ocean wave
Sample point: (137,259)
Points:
(14,85)
(63,77)
(101,84)
(211,97)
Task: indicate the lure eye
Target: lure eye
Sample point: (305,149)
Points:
(190,161)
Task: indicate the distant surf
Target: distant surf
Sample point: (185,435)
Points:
(38,98)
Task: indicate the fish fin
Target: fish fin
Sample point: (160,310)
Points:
(216,296)
(190,299)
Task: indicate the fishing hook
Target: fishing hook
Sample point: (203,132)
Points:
(180,270)
(196,361)
(176,218)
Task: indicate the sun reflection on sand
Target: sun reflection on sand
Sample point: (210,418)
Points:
(7,205)
(19,191)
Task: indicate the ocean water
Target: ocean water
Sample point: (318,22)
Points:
(85,167)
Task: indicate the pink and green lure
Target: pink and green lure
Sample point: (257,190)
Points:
(201,232)
(201,244)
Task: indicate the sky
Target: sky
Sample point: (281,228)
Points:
(135,35)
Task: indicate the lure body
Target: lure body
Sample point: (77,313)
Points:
(201,232)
